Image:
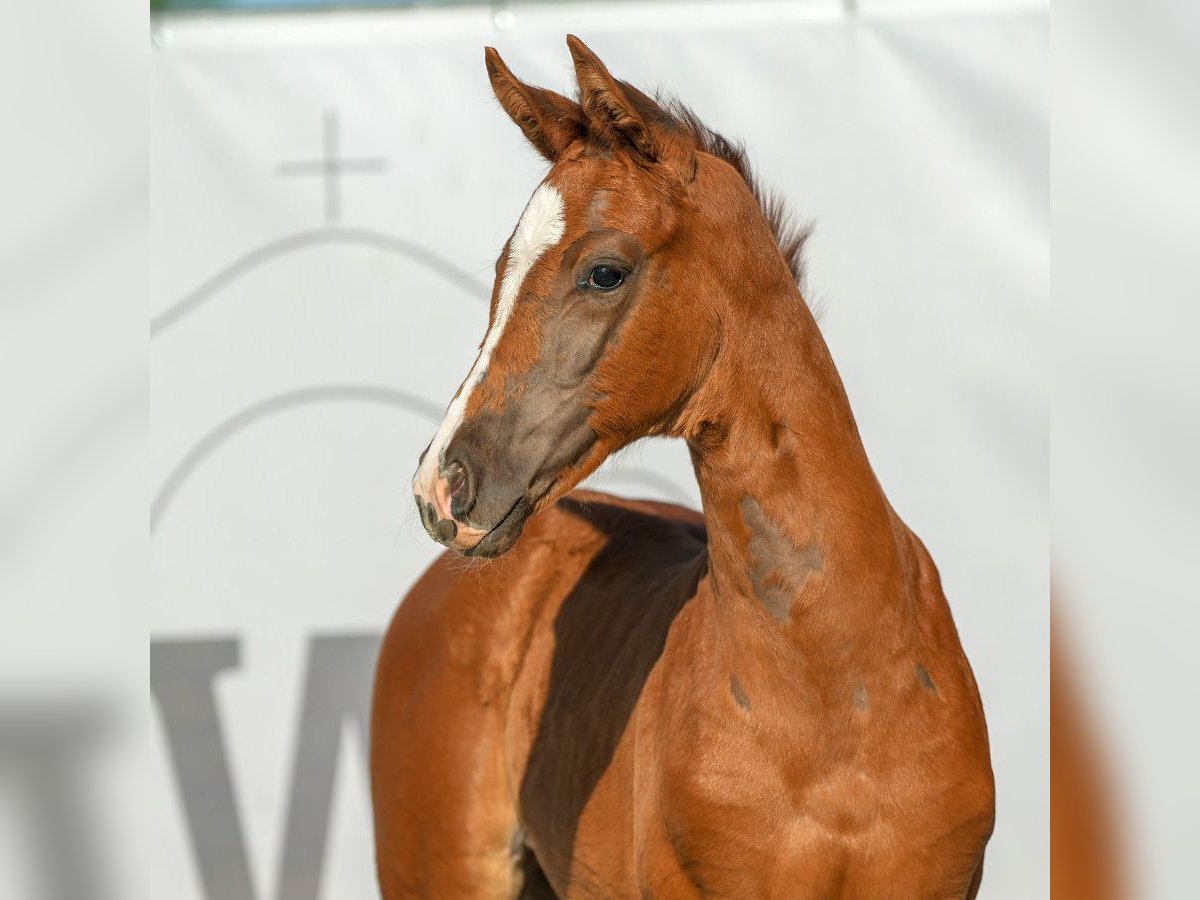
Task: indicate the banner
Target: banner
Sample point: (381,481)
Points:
(330,194)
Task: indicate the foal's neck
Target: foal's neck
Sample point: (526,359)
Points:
(805,553)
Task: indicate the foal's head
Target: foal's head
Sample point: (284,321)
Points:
(608,304)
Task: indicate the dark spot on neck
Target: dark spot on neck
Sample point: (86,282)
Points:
(739,693)
(778,568)
(926,681)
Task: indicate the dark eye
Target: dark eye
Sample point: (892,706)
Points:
(605,278)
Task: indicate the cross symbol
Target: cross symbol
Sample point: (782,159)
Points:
(331,167)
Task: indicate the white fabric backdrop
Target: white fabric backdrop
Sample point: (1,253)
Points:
(307,334)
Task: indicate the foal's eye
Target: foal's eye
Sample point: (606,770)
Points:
(605,278)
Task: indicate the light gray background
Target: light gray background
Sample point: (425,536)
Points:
(301,353)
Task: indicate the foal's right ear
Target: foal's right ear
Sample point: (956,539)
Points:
(550,121)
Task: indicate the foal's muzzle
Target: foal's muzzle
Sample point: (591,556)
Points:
(447,497)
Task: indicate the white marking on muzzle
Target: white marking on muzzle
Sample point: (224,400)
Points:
(540,228)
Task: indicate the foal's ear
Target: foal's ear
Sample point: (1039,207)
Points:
(550,121)
(623,116)
(611,112)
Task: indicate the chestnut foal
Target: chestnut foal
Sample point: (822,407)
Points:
(766,700)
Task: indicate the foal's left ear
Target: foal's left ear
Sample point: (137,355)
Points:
(610,111)
(550,121)
(624,116)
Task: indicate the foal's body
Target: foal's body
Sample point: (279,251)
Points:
(766,701)
(593,700)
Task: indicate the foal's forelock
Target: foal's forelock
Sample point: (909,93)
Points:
(540,228)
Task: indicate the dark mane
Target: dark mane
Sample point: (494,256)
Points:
(789,234)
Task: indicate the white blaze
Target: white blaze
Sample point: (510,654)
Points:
(540,228)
